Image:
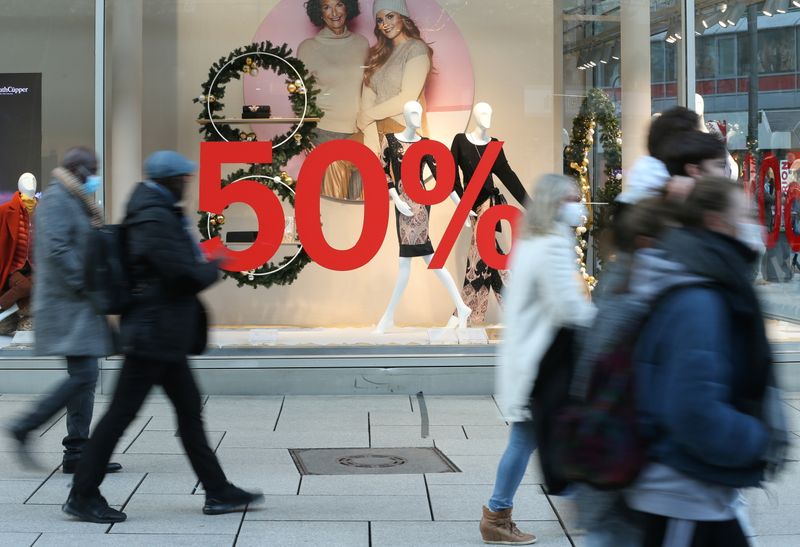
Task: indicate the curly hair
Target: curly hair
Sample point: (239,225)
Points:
(314,11)
(382,50)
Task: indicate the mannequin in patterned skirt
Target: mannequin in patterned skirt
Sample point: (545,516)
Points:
(412,219)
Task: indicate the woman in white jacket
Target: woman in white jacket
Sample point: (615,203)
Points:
(546,293)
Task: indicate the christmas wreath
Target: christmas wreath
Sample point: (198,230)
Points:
(243,62)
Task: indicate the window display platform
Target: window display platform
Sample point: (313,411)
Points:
(281,361)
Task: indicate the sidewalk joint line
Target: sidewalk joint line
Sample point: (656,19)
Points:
(220,441)
(464,429)
(239,529)
(369,431)
(428,493)
(136,438)
(127,501)
(369,532)
(558,515)
(498,408)
(53,472)
(411,403)
(53,424)
(277,419)
(37,538)
(299,484)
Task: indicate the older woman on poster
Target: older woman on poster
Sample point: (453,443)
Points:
(336,57)
(397,69)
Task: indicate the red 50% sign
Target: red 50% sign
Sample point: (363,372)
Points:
(269,212)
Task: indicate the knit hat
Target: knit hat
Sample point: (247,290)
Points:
(647,179)
(397,6)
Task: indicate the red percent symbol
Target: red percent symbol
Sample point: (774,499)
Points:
(445,179)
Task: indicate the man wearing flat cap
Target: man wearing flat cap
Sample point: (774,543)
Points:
(165,323)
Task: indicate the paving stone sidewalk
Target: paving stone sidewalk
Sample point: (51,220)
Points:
(252,436)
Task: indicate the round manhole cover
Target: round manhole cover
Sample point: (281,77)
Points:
(371,461)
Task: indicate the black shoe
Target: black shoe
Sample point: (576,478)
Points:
(94,509)
(230,500)
(23,448)
(70,466)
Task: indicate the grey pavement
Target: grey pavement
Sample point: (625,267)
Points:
(253,435)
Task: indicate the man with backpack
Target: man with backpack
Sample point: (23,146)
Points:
(163,324)
(66,322)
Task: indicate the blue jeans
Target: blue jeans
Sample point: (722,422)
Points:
(512,466)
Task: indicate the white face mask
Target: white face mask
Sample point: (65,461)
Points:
(752,235)
(573,213)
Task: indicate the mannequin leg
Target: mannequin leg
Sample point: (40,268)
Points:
(387,321)
(462,310)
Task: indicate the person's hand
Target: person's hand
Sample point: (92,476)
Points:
(220,256)
(468,222)
(404,208)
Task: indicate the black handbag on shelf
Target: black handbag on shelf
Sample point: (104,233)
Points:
(255,111)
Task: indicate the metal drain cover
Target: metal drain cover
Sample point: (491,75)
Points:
(371,461)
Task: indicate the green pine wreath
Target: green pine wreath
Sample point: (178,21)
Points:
(239,63)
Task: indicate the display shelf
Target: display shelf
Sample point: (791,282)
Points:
(242,121)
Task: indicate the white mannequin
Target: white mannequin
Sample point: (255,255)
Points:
(482,114)
(700,107)
(412,113)
(27,185)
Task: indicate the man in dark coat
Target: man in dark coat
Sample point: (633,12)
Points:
(165,323)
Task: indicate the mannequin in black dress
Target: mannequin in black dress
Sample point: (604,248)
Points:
(412,218)
(467,150)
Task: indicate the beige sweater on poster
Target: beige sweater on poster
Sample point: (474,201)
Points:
(337,62)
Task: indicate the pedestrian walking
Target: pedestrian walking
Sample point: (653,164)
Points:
(65,322)
(546,295)
(705,381)
(164,324)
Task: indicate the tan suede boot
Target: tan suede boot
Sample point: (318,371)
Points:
(498,529)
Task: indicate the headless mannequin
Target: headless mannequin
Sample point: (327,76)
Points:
(700,106)
(412,113)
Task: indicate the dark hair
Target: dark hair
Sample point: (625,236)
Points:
(690,147)
(674,120)
(78,160)
(167,181)
(314,11)
(646,219)
(709,195)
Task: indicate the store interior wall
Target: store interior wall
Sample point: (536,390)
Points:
(55,38)
(513,60)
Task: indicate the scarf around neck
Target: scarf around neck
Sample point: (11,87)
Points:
(75,187)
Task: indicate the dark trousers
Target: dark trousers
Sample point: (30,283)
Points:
(137,378)
(77,394)
(666,532)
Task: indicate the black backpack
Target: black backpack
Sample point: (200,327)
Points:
(106,276)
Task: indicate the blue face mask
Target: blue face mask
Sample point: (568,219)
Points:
(92,184)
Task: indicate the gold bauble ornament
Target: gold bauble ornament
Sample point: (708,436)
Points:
(249,61)
(298,83)
(254,72)
(212,98)
(291,88)
(220,220)
(574,165)
(246,69)
(213,222)
(585,161)
(298,137)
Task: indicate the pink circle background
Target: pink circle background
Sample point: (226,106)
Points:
(451,88)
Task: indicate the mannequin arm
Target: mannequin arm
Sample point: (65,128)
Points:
(402,206)
(510,179)
(455,150)
(414,75)
(454,197)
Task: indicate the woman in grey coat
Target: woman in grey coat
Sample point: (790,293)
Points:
(65,322)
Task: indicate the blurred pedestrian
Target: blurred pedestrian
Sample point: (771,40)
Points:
(545,298)
(164,324)
(65,322)
(704,375)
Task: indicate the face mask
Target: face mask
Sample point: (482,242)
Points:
(752,235)
(92,184)
(573,213)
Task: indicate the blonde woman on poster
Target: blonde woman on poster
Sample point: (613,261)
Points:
(336,57)
(397,70)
